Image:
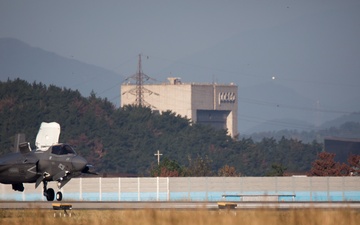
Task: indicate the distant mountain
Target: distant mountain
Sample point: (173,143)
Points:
(347,126)
(281,124)
(353,117)
(20,60)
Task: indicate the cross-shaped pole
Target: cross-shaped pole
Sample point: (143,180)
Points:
(158,156)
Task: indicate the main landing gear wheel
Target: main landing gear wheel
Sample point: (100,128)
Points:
(49,194)
(59,196)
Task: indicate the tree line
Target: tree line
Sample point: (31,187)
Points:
(123,140)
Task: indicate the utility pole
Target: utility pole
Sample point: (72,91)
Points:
(158,156)
(139,89)
(139,77)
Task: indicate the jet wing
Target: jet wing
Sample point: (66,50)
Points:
(47,136)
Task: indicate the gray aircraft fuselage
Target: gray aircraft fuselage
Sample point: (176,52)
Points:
(59,163)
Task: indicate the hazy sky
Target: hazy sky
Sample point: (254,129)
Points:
(108,33)
(310,46)
(112,33)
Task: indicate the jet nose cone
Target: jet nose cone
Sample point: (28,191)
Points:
(79,163)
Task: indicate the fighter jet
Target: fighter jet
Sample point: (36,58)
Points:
(50,161)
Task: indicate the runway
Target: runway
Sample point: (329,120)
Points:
(176,205)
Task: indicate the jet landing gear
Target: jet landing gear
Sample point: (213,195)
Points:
(59,195)
(49,193)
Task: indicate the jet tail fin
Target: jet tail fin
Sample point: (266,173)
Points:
(24,147)
(19,138)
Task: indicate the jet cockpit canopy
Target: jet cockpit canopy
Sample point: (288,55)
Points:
(62,149)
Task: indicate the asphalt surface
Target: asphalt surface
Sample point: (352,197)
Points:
(175,205)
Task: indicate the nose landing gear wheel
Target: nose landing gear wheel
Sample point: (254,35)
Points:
(59,196)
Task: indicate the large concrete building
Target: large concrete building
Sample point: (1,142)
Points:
(212,104)
(342,147)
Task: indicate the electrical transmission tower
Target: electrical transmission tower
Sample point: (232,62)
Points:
(139,89)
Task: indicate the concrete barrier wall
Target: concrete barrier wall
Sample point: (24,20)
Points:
(196,189)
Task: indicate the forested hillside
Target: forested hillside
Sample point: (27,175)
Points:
(125,140)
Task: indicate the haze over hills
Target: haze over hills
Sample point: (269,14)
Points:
(272,106)
(20,60)
(313,59)
(353,117)
(311,49)
(266,106)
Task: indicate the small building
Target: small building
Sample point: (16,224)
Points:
(342,147)
(212,104)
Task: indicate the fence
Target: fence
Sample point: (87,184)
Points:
(196,189)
